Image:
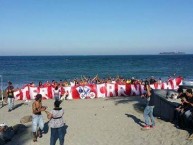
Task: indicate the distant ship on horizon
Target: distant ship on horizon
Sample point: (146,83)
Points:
(172,53)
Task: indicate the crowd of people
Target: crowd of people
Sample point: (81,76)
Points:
(183,117)
(96,80)
(55,117)
(183,113)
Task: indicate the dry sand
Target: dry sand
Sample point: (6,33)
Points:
(114,121)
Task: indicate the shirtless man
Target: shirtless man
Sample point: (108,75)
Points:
(37,118)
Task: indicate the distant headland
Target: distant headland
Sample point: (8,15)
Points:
(172,53)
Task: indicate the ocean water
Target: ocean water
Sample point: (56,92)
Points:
(22,70)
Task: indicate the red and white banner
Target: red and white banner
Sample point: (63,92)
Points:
(94,90)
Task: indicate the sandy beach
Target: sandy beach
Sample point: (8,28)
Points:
(109,121)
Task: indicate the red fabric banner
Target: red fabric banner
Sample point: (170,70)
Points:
(94,90)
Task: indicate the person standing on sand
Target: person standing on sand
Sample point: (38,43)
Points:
(57,92)
(10,96)
(37,118)
(148,112)
(56,123)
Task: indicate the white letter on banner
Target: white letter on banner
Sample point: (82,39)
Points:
(121,90)
(135,90)
(159,86)
(16,95)
(174,84)
(24,91)
(44,92)
(143,91)
(69,91)
(167,86)
(99,93)
(152,86)
(33,92)
(111,89)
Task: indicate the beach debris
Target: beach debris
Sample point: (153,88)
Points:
(26,102)
(3,124)
(190,137)
(26,119)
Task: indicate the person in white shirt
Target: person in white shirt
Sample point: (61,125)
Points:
(56,123)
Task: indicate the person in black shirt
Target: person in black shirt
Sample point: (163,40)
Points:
(148,112)
(189,109)
(10,96)
(179,110)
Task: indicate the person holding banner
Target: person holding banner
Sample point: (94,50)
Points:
(57,92)
(37,118)
(148,112)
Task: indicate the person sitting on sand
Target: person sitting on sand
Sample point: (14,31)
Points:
(37,118)
(56,92)
(179,110)
(148,112)
(188,113)
(8,132)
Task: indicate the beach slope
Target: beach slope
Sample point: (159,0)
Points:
(109,121)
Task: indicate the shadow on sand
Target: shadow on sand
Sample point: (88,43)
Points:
(137,120)
(123,100)
(139,107)
(17,106)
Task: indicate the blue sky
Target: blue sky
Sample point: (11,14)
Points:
(95,27)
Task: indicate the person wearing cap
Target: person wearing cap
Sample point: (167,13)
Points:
(37,118)
(56,124)
(10,96)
